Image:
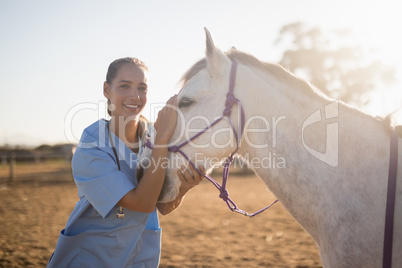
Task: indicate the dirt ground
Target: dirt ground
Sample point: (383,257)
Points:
(200,233)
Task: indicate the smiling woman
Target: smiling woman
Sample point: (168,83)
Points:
(117,202)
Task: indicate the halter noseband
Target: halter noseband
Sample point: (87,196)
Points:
(230,101)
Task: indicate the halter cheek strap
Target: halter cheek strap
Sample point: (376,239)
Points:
(230,101)
(390,207)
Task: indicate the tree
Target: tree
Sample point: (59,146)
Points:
(341,71)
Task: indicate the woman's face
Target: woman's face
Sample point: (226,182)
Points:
(128,91)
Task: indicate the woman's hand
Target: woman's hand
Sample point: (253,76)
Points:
(166,122)
(189,179)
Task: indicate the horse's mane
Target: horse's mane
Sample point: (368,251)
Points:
(277,70)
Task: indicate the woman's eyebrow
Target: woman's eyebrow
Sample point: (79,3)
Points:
(125,81)
(130,82)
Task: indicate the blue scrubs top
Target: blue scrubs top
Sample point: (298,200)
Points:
(94,236)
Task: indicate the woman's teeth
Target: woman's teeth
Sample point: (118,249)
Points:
(131,106)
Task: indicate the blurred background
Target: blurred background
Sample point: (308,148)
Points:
(54,55)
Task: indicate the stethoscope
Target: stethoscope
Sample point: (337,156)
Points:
(120,211)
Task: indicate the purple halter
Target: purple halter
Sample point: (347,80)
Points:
(230,101)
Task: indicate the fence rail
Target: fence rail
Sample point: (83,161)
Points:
(57,167)
(28,167)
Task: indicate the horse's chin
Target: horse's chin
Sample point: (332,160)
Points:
(170,190)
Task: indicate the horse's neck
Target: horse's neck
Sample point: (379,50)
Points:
(307,186)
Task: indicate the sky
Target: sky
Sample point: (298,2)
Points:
(54,54)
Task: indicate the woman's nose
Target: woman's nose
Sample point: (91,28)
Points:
(134,94)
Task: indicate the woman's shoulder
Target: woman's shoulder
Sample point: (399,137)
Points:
(94,135)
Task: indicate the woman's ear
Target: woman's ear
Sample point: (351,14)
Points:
(106,90)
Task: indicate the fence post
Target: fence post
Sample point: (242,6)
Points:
(12,166)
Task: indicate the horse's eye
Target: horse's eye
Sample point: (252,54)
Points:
(184,103)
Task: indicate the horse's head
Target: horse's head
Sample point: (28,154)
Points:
(200,102)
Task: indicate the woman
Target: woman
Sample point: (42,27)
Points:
(115,223)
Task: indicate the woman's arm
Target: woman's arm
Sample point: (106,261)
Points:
(187,182)
(143,198)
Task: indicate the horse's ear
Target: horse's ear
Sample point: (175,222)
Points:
(215,57)
(210,44)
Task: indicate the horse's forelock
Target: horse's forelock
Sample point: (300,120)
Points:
(198,66)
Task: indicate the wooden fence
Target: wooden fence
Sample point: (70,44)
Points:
(21,167)
(35,167)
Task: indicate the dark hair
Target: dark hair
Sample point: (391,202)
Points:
(114,68)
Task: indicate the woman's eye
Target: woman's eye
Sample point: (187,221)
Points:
(124,86)
(142,88)
(185,103)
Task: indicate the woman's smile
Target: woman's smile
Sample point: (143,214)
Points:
(132,106)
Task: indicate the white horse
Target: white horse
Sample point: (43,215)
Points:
(330,172)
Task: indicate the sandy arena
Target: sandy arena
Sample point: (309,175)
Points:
(200,233)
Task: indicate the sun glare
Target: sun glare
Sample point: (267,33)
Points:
(375,29)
